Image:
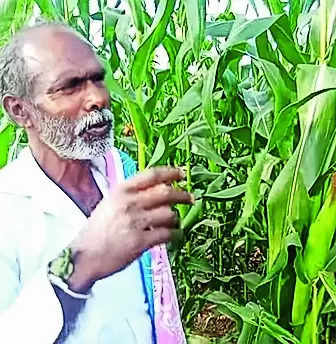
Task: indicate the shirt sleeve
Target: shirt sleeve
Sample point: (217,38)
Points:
(31,313)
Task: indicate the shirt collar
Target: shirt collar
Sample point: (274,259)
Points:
(24,177)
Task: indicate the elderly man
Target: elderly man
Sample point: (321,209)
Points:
(82,258)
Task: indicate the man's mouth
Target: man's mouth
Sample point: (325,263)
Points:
(98,130)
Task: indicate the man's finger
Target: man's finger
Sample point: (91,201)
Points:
(158,235)
(162,217)
(152,177)
(161,195)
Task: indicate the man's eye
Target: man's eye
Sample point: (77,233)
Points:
(70,86)
(98,78)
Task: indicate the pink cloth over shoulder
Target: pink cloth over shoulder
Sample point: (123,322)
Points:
(168,325)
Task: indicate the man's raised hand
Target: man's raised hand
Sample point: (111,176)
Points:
(136,216)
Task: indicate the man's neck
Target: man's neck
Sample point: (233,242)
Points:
(73,175)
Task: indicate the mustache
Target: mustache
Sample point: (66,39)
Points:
(95,117)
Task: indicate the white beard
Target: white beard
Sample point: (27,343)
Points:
(62,135)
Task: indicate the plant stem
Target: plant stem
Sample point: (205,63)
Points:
(314,315)
(275,6)
(188,166)
(139,96)
(188,150)
(328,330)
(323,29)
(66,10)
(141,156)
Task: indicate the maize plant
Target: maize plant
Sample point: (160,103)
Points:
(248,108)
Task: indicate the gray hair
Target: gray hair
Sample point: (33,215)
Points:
(15,77)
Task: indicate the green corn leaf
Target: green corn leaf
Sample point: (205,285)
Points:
(275,6)
(284,120)
(307,5)
(7,13)
(261,104)
(192,217)
(156,35)
(16,145)
(61,6)
(115,89)
(218,298)
(219,28)
(288,201)
(4,122)
(150,104)
(188,103)
(328,280)
(84,11)
(138,118)
(48,10)
(329,307)
(216,185)
(137,9)
(158,152)
(200,173)
(140,123)
(199,264)
(322,36)
(247,334)
(13,16)
(285,42)
(322,230)
(110,19)
(265,50)
(295,9)
(122,33)
(291,240)
(310,331)
(172,47)
(207,96)
(179,66)
(7,137)
(201,129)
(243,30)
(251,279)
(317,120)
(102,4)
(282,94)
(97,16)
(252,194)
(228,194)
(7,8)
(253,4)
(278,203)
(195,11)
(202,147)
(278,333)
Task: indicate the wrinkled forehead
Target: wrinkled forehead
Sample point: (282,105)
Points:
(49,54)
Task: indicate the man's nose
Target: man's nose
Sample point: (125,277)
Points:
(96,97)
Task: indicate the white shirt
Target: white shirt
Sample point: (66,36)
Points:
(38,220)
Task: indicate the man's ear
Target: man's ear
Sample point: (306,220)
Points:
(17,110)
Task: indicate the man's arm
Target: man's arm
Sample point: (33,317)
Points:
(135,217)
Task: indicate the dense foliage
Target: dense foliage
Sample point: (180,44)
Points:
(248,108)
